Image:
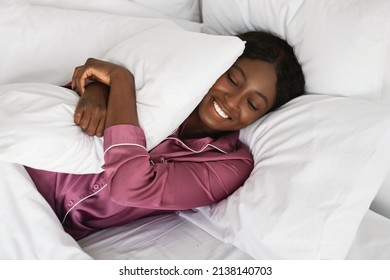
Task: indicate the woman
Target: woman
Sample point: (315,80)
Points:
(200,163)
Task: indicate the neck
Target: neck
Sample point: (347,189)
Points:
(194,128)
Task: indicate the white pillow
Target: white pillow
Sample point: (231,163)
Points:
(172,72)
(319,161)
(44,44)
(37,127)
(343,45)
(180,9)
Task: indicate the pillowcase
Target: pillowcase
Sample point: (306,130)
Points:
(180,9)
(43,44)
(37,127)
(173,70)
(343,45)
(172,73)
(319,161)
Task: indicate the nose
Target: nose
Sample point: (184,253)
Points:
(232,101)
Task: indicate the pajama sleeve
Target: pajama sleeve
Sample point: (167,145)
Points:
(135,181)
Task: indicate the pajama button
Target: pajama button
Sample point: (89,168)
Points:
(95,187)
(70,203)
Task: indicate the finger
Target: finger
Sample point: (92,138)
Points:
(80,75)
(100,129)
(93,124)
(85,118)
(86,72)
(78,113)
(84,75)
(74,77)
(84,122)
(76,81)
(78,117)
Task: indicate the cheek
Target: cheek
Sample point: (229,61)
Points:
(220,84)
(204,109)
(248,117)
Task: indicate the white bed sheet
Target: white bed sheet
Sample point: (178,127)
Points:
(372,241)
(166,237)
(173,237)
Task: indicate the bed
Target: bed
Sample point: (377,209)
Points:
(320,188)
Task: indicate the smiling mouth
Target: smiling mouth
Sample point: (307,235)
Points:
(219,111)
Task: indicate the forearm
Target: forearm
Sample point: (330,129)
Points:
(122,108)
(174,184)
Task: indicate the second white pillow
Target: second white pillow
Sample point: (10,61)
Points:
(319,162)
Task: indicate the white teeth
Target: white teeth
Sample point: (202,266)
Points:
(219,111)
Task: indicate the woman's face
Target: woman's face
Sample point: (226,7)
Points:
(240,96)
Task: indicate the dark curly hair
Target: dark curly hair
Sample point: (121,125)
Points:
(269,47)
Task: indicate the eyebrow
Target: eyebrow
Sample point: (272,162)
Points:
(240,70)
(245,78)
(263,97)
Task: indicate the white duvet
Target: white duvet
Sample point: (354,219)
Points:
(37,117)
(30,229)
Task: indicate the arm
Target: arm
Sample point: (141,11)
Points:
(132,178)
(122,107)
(172,185)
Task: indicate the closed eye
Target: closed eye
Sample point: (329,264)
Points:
(232,80)
(252,105)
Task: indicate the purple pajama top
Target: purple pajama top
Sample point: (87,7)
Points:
(176,175)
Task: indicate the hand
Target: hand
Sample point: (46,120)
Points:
(97,70)
(91,110)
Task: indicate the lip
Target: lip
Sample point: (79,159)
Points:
(215,107)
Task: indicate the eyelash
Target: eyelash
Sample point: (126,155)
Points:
(232,80)
(252,106)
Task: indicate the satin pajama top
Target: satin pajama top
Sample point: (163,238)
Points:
(176,175)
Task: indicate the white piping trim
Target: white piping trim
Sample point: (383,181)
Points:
(124,144)
(194,151)
(92,194)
